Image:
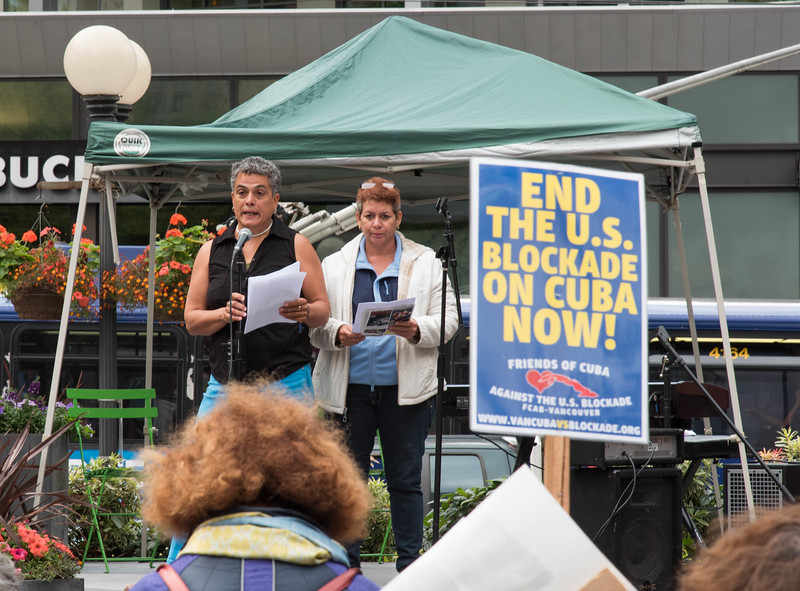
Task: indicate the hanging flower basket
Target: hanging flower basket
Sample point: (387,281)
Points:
(172,315)
(32,305)
(34,270)
(174,257)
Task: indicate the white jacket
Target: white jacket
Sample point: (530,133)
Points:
(421,278)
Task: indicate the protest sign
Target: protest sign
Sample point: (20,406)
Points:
(558,321)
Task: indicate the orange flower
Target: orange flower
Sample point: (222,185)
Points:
(29,236)
(173,232)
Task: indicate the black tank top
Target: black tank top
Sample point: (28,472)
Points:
(276,349)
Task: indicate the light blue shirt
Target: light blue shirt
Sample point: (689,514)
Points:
(374,361)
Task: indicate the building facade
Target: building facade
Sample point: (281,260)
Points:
(206,62)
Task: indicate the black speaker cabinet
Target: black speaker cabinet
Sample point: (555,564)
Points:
(643,538)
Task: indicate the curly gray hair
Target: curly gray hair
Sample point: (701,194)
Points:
(257,165)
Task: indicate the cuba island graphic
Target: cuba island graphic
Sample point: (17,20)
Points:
(557,318)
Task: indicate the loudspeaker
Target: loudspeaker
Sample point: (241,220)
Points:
(643,538)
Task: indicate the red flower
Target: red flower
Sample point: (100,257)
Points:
(29,236)
(177,220)
(173,232)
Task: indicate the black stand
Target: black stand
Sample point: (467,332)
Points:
(236,343)
(663,338)
(448,255)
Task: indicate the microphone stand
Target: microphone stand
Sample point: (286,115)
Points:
(448,255)
(663,338)
(236,346)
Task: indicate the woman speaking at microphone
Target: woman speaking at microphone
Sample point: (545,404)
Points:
(281,351)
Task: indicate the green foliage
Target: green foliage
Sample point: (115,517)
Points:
(700,502)
(27,406)
(789,442)
(18,481)
(378,522)
(181,243)
(14,254)
(121,533)
(454,506)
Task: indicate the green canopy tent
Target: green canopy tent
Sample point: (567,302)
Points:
(402,96)
(411,102)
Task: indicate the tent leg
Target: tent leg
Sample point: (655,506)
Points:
(64,325)
(700,167)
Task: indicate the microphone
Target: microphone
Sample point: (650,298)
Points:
(244,235)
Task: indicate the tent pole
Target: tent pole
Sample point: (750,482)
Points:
(148,367)
(700,168)
(64,325)
(664,90)
(151,298)
(687,292)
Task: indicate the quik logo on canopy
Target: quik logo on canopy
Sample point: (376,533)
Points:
(558,330)
(132,142)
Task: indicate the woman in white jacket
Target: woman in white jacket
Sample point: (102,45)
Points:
(384,383)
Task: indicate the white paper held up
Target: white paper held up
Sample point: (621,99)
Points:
(267,293)
(518,539)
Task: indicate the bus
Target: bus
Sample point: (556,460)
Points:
(765,345)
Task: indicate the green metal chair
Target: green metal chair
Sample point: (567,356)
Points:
(86,405)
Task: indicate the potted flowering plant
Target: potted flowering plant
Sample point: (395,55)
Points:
(38,556)
(175,254)
(27,406)
(33,273)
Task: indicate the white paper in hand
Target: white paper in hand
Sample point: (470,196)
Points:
(518,539)
(267,293)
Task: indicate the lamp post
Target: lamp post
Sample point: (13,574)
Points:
(110,72)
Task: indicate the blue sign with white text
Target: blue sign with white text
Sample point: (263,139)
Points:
(558,327)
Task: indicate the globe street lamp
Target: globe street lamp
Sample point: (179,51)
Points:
(110,72)
(137,87)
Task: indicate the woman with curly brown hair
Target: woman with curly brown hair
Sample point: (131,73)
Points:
(265,491)
(760,556)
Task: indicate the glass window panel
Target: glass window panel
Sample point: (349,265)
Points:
(251,87)
(458,471)
(370,4)
(17,6)
(136,227)
(756,236)
(72,5)
(182,102)
(652,225)
(632,84)
(192,4)
(744,109)
(36,110)
(19,218)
